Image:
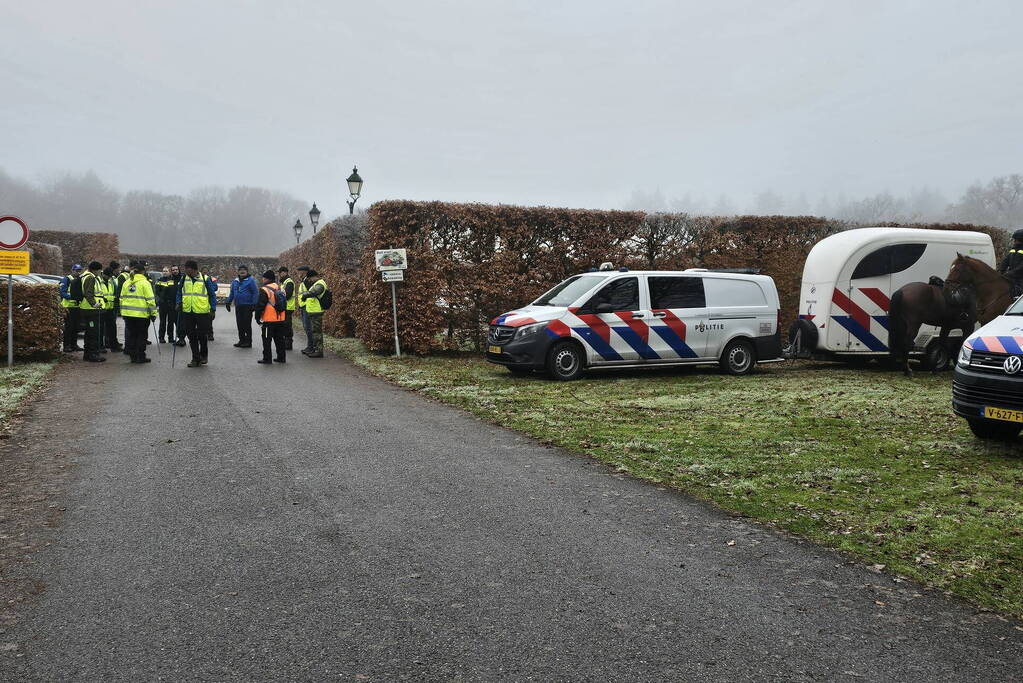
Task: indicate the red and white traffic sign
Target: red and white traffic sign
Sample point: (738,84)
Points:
(13,232)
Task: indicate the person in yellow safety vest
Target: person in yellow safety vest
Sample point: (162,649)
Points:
(93,302)
(138,308)
(197,302)
(118,280)
(288,287)
(310,296)
(71,308)
(109,312)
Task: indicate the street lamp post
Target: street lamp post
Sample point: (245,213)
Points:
(314,217)
(354,188)
(298,230)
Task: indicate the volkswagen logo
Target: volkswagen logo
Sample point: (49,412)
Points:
(1012,365)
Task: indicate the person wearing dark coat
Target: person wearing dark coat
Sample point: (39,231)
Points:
(1012,265)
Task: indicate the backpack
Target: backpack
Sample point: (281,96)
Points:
(280,300)
(326,299)
(75,288)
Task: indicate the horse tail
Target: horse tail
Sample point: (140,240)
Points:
(896,326)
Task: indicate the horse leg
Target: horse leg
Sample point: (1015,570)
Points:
(912,329)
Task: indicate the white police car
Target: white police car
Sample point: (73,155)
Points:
(641,318)
(987,386)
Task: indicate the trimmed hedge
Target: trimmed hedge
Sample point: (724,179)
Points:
(46,258)
(80,247)
(471,262)
(225,268)
(38,321)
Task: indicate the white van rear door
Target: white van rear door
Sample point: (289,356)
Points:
(678,317)
(735,307)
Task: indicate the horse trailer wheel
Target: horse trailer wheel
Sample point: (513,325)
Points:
(993,429)
(738,358)
(937,357)
(565,361)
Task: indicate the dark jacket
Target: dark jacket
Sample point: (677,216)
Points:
(1012,265)
(167,291)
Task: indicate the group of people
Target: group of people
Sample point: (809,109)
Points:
(186,304)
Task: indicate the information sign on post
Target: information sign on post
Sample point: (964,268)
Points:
(392,264)
(13,235)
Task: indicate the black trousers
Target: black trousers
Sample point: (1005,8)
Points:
(71,316)
(110,329)
(243,315)
(289,328)
(273,332)
(136,332)
(196,326)
(92,324)
(168,319)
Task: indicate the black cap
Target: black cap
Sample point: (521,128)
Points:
(95,265)
(1018,235)
(269,275)
(303,267)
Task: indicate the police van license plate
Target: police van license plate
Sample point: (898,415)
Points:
(1003,414)
(494,349)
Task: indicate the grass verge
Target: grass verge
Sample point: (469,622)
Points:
(17,384)
(861,460)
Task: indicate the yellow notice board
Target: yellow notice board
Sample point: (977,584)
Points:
(14,262)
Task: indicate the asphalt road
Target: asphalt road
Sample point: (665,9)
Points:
(309,522)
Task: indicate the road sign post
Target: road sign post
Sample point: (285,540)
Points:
(13,235)
(392,264)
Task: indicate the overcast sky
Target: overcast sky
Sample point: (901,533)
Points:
(528,102)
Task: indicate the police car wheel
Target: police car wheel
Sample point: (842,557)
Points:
(565,361)
(993,429)
(738,358)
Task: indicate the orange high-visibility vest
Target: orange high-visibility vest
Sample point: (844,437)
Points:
(270,314)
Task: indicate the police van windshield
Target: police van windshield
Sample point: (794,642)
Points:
(1016,308)
(569,291)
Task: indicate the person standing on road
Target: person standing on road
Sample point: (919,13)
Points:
(118,280)
(69,284)
(138,308)
(288,287)
(109,311)
(244,295)
(310,296)
(167,300)
(197,301)
(271,320)
(303,273)
(93,291)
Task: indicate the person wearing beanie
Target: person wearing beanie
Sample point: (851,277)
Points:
(92,305)
(288,286)
(244,295)
(270,315)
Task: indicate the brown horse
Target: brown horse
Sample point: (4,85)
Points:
(992,291)
(917,304)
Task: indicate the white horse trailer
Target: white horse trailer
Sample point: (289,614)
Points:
(848,281)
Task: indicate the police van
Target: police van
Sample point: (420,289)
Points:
(848,281)
(627,318)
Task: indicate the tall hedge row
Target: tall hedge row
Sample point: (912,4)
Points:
(45,258)
(470,262)
(38,321)
(80,247)
(225,268)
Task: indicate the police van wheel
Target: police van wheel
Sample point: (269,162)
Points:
(993,429)
(565,361)
(739,358)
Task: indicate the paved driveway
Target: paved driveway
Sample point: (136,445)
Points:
(309,522)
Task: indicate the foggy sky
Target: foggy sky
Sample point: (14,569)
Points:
(576,103)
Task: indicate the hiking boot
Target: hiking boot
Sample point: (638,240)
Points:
(95,359)
(163,341)
(265,361)
(204,360)
(180,342)
(318,354)
(194,363)
(279,360)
